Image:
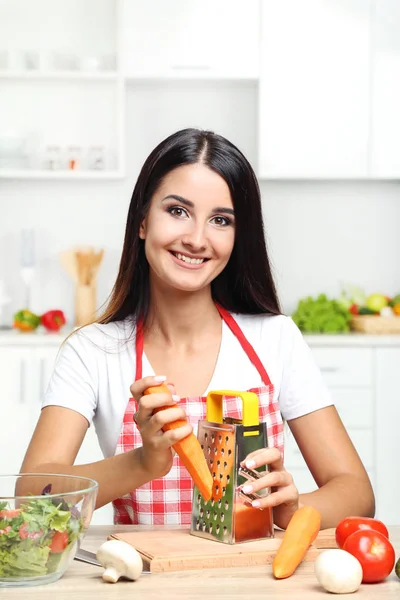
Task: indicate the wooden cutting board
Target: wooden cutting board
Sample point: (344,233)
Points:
(178,550)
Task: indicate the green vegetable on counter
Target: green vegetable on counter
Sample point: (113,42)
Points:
(397,568)
(321,315)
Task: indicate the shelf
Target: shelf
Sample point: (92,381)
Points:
(190,75)
(71,175)
(59,75)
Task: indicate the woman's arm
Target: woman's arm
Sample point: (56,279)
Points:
(344,486)
(55,444)
(60,432)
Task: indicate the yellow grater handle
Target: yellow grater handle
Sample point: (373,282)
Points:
(250,406)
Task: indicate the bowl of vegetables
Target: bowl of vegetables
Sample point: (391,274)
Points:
(43,519)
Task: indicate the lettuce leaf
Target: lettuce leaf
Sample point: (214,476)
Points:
(44,515)
(20,561)
(321,315)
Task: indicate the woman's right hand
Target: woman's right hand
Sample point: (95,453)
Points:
(156,454)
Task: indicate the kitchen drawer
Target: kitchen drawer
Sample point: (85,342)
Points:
(363,440)
(355,406)
(304,481)
(345,366)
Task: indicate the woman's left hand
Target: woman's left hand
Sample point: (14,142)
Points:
(284,496)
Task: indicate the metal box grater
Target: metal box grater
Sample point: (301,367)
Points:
(229,517)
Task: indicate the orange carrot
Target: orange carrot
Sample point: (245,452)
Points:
(189,450)
(302,530)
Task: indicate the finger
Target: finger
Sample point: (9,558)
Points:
(138,387)
(171,387)
(151,401)
(168,438)
(147,405)
(158,420)
(286,495)
(176,435)
(266,456)
(273,479)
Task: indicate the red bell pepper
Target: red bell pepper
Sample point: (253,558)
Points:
(53,320)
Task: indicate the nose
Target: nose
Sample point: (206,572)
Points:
(195,238)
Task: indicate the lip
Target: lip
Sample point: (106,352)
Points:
(184,265)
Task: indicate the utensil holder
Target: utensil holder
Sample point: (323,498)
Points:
(229,516)
(85,304)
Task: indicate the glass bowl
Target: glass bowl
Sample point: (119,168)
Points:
(43,519)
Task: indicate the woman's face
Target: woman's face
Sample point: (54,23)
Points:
(189,231)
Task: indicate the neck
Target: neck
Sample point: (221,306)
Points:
(180,317)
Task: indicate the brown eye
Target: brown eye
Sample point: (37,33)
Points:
(177,211)
(221,221)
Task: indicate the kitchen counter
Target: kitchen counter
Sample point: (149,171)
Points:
(351,340)
(83,581)
(42,338)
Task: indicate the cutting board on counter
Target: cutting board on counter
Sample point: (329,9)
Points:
(177,550)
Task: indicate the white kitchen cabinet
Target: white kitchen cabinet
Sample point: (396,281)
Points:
(385,101)
(16,407)
(387,438)
(349,374)
(190,38)
(364,383)
(61,100)
(314,89)
(25,369)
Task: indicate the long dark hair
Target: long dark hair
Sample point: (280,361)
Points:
(246,284)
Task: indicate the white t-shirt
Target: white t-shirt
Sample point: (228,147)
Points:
(96,367)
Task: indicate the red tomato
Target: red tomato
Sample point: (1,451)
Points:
(375,553)
(25,533)
(6,530)
(59,542)
(9,514)
(351,524)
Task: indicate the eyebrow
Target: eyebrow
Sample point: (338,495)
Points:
(190,204)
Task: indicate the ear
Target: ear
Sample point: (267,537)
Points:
(142,230)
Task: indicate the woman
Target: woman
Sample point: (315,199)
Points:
(195,304)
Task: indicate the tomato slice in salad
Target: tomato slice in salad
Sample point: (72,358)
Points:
(10,513)
(59,542)
(25,532)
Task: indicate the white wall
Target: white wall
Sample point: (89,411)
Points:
(319,235)
(322,234)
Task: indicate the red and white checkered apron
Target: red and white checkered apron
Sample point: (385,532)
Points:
(168,500)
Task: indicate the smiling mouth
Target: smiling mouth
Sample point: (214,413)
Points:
(188,259)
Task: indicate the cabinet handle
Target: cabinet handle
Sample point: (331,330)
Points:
(22,378)
(329,369)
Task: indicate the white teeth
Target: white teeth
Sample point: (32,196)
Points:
(186,259)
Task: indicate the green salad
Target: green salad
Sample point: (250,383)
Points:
(35,537)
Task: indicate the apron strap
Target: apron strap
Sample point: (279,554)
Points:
(139,342)
(247,347)
(233,326)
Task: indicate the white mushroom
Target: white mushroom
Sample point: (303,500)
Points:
(338,571)
(119,560)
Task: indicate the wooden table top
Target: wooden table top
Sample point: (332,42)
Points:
(83,581)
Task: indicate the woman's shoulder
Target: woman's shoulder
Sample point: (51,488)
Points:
(267,326)
(103,336)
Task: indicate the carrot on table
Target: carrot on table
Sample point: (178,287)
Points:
(302,530)
(189,450)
